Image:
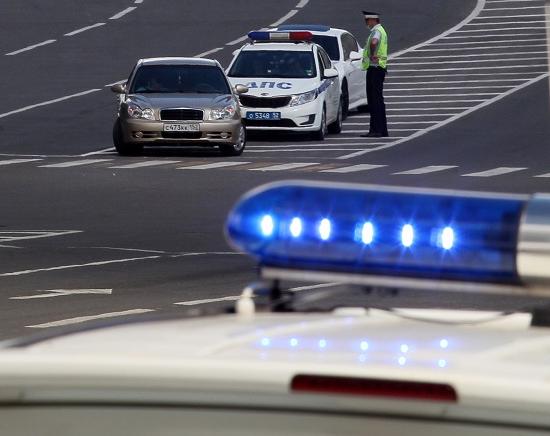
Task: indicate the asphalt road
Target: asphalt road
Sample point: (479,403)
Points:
(79,238)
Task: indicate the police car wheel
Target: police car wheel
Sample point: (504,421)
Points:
(237,148)
(122,147)
(336,126)
(320,134)
(345,97)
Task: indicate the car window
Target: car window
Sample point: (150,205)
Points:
(274,64)
(349,44)
(187,79)
(326,59)
(330,44)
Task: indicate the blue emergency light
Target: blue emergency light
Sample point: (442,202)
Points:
(280,36)
(363,229)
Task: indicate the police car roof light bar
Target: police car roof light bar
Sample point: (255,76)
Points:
(280,36)
(309,27)
(379,235)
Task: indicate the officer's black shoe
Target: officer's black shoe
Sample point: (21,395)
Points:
(373,135)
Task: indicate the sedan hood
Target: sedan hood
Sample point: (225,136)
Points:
(198,101)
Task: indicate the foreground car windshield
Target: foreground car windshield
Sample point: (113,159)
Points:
(188,79)
(330,44)
(276,64)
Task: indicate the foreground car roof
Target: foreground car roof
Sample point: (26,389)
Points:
(178,61)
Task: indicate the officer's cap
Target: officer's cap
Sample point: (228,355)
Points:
(371,15)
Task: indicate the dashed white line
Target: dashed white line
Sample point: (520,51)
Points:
(494,172)
(45,103)
(31,47)
(81,319)
(17,161)
(353,168)
(104,150)
(237,41)
(74,163)
(209,52)
(207,301)
(122,13)
(84,29)
(301,4)
(52,293)
(149,163)
(213,165)
(427,170)
(282,167)
(284,18)
(547,175)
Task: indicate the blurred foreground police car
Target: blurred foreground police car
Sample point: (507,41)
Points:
(345,54)
(178,101)
(269,370)
(292,84)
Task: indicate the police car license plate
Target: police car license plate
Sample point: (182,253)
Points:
(263,115)
(183,127)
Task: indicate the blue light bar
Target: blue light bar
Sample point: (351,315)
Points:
(360,229)
(260,35)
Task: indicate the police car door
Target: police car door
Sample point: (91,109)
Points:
(331,86)
(356,75)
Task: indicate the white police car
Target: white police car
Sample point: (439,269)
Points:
(346,54)
(269,369)
(292,84)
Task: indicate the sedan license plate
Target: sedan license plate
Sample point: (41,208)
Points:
(182,127)
(263,116)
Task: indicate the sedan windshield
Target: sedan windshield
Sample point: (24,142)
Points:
(274,64)
(330,44)
(188,79)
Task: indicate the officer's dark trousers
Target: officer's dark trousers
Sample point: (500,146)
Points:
(375,96)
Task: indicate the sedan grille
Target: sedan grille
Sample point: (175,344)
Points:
(269,102)
(181,115)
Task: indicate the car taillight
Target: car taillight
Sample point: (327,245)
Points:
(373,387)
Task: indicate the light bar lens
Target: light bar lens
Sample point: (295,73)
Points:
(280,36)
(356,229)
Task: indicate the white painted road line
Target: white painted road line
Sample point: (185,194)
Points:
(353,168)
(301,4)
(30,47)
(81,265)
(104,150)
(494,172)
(82,319)
(213,165)
(16,161)
(236,41)
(44,103)
(547,175)
(52,293)
(18,235)
(282,167)
(74,163)
(83,29)
(209,52)
(284,18)
(148,163)
(122,13)
(427,170)
(207,300)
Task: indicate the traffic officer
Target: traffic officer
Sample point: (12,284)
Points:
(375,60)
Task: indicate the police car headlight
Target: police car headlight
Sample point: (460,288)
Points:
(134,111)
(304,98)
(225,113)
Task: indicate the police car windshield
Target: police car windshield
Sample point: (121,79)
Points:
(330,44)
(188,79)
(274,64)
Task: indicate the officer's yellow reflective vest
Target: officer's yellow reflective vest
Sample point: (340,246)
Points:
(382,52)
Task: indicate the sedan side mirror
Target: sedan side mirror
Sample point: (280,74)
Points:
(355,56)
(330,73)
(241,89)
(119,88)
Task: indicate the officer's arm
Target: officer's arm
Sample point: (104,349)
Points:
(373,47)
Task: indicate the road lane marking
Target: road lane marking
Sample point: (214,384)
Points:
(213,165)
(478,55)
(81,265)
(74,163)
(469,61)
(148,163)
(448,120)
(82,319)
(83,29)
(494,172)
(52,293)
(17,161)
(301,4)
(512,41)
(353,168)
(504,29)
(283,167)
(207,301)
(544,175)
(484,47)
(237,41)
(31,47)
(138,2)
(209,52)
(427,170)
(508,67)
(19,235)
(281,20)
(45,103)
(122,13)
(104,150)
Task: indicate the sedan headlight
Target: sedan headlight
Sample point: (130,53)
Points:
(225,113)
(304,98)
(134,111)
